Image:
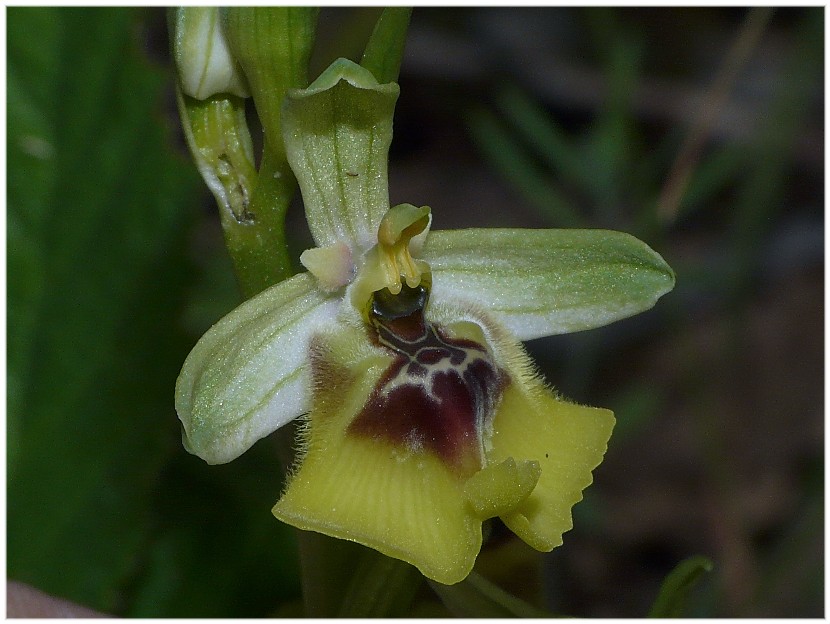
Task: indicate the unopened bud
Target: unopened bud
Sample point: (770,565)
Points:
(203,58)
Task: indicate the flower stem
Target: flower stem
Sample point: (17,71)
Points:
(344,579)
(258,246)
(476,597)
(384,51)
(273,45)
(381,587)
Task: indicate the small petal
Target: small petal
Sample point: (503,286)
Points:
(332,265)
(247,375)
(337,134)
(545,282)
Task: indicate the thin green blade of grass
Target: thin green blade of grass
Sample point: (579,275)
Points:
(519,169)
(541,132)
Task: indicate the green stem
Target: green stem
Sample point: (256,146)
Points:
(345,579)
(380,587)
(272,44)
(251,205)
(327,566)
(384,51)
(257,244)
(477,597)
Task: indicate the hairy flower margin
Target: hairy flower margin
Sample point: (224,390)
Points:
(423,415)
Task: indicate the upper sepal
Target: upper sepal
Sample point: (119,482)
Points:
(247,375)
(337,134)
(545,282)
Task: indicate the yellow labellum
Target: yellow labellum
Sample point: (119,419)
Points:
(404,503)
(405,497)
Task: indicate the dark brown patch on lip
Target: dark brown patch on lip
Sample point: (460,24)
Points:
(436,396)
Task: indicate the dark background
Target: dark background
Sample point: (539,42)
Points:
(542,117)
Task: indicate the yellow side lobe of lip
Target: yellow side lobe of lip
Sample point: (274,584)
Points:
(567,440)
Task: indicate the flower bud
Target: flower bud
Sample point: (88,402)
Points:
(203,58)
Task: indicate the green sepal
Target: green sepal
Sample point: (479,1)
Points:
(545,282)
(273,45)
(337,134)
(247,376)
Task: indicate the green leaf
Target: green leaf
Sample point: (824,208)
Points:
(546,282)
(337,136)
(98,225)
(476,597)
(540,131)
(714,173)
(612,136)
(384,51)
(216,552)
(32,74)
(674,593)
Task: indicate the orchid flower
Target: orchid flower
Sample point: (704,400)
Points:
(400,349)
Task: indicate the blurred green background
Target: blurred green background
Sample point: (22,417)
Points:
(542,117)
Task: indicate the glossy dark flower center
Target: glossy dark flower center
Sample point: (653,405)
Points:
(439,392)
